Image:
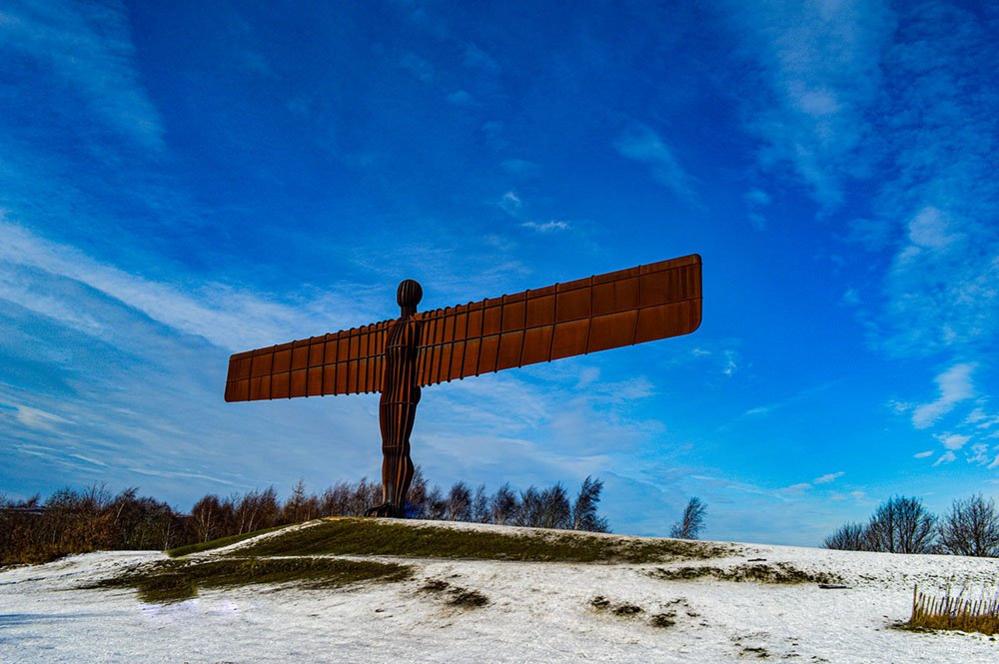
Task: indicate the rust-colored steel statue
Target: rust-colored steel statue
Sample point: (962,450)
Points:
(400,395)
(398,357)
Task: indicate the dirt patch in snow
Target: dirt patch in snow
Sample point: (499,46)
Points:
(664,619)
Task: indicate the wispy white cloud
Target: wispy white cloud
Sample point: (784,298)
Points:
(923,454)
(86,46)
(231,318)
(511,203)
(644,145)
(817,73)
(551,226)
(942,291)
(981,419)
(954,386)
(33,418)
(941,287)
(829,477)
(835,86)
(953,441)
(946,457)
(731,365)
(795,398)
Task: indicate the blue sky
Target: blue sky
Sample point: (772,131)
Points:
(179,182)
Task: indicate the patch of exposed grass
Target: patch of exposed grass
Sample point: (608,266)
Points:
(627,610)
(457,596)
(468,599)
(601,603)
(174,580)
(217,543)
(776,573)
(758,651)
(663,620)
(352,536)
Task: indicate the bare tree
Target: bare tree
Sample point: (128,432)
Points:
(555,510)
(531,508)
(504,506)
(296,508)
(584,510)
(436,506)
(416,504)
(690,524)
(336,500)
(205,517)
(480,505)
(901,525)
(971,528)
(850,537)
(459,503)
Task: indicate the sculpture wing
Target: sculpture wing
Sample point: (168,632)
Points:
(345,362)
(605,311)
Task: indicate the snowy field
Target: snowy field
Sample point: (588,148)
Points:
(537,612)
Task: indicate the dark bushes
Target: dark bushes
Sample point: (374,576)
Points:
(90,520)
(81,521)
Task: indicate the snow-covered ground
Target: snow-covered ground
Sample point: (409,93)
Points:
(537,612)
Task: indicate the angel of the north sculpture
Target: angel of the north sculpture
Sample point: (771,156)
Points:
(397,357)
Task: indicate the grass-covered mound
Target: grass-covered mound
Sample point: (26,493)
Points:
(175,580)
(302,555)
(198,547)
(354,536)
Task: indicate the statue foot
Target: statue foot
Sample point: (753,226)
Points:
(385,509)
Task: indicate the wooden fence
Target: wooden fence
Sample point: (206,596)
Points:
(955,612)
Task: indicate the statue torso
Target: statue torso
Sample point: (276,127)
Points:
(401,350)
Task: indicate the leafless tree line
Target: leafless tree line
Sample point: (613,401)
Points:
(904,525)
(80,521)
(94,519)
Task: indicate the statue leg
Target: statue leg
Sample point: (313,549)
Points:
(406,470)
(396,421)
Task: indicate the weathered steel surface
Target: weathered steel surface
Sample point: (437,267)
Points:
(605,311)
(597,313)
(345,362)
(397,357)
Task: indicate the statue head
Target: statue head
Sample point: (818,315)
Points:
(409,295)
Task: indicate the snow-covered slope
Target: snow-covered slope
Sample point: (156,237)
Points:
(537,612)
